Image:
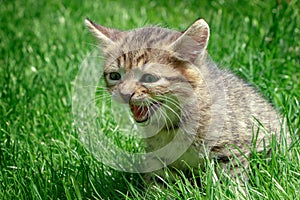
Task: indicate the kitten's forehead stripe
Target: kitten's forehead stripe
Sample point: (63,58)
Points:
(142,59)
(118,62)
(133,59)
(158,38)
(149,37)
(140,46)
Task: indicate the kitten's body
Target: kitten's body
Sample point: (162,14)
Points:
(225,109)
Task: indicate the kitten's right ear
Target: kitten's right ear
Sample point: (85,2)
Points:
(107,36)
(193,42)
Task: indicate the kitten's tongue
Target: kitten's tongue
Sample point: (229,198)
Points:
(140,113)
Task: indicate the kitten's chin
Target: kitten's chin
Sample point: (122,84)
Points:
(142,113)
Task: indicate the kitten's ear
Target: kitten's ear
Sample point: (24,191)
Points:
(193,42)
(107,36)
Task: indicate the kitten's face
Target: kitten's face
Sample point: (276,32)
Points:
(147,87)
(152,69)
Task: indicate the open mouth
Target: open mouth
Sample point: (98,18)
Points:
(142,113)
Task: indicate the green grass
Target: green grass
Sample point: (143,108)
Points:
(42,45)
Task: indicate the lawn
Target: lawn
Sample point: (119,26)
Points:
(42,46)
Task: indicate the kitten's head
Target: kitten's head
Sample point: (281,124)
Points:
(153,68)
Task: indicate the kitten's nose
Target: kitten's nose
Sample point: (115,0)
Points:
(126,97)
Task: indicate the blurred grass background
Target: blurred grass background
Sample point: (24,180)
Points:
(42,45)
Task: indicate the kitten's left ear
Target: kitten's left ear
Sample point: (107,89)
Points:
(107,36)
(193,42)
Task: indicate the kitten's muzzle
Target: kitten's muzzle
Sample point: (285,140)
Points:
(126,97)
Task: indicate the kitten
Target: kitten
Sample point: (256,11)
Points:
(168,82)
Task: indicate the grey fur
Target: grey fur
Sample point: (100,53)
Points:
(226,108)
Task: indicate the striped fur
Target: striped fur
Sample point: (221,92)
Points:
(225,108)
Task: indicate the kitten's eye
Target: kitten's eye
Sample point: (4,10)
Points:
(149,78)
(114,76)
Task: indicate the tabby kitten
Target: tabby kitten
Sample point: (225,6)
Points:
(168,81)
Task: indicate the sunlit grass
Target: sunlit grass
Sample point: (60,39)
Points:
(42,45)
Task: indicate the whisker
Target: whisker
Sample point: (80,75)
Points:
(184,114)
(93,45)
(102,90)
(166,118)
(167,121)
(176,105)
(88,86)
(151,100)
(104,98)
